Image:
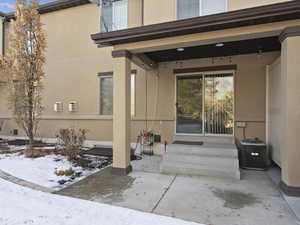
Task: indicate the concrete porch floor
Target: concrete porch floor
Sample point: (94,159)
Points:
(213,201)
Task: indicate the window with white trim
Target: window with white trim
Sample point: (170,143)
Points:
(193,8)
(106,94)
(114,15)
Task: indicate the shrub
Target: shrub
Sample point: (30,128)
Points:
(68,172)
(71,141)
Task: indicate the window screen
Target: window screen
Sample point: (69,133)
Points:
(114,15)
(106,17)
(188,8)
(119,15)
(213,7)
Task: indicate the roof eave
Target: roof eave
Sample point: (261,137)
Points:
(245,17)
(54,6)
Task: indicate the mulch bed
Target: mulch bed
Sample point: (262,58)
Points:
(105,152)
(21,142)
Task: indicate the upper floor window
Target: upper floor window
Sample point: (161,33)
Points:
(114,15)
(193,8)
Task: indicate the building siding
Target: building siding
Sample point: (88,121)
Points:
(73,62)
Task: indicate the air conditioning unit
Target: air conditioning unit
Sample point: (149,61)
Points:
(72,106)
(58,107)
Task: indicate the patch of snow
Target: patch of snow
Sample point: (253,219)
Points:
(20,206)
(41,171)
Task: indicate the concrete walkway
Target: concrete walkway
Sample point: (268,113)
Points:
(254,200)
(24,183)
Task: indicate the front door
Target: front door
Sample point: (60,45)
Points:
(205,104)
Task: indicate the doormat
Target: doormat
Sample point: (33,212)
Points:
(188,142)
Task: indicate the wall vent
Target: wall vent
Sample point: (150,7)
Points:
(58,107)
(72,106)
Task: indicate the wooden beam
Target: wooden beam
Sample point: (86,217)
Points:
(144,61)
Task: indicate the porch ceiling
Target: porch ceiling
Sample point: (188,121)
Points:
(267,44)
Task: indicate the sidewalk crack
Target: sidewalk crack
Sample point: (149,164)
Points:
(164,194)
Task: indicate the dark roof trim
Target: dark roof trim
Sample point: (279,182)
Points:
(289,32)
(55,6)
(105,74)
(233,19)
(2,14)
(121,53)
(111,73)
(205,69)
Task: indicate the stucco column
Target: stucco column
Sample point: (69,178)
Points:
(121,112)
(290,148)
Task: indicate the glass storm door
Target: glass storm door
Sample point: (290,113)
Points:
(205,104)
(189,104)
(218,110)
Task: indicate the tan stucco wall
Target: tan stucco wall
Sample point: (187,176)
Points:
(135,13)
(73,62)
(158,11)
(290,153)
(275,110)
(249,104)
(242,4)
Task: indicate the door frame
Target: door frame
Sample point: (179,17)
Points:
(233,72)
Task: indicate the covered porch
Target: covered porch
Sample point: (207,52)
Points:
(244,47)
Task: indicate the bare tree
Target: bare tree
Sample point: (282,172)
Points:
(22,68)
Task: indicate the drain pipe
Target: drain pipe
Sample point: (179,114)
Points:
(2,23)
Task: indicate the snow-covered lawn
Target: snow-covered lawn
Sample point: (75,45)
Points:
(41,170)
(20,206)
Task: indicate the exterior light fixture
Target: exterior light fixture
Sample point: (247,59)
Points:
(220,45)
(180,49)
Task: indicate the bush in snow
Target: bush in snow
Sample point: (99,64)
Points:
(67,172)
(71,141)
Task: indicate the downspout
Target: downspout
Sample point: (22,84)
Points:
(143,13)
(3,35)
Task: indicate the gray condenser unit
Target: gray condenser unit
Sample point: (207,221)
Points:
(253,154)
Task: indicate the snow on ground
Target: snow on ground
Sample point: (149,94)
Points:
(20,206)
(41,171)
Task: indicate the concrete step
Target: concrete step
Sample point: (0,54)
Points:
(206,161)
(210,159)
(229,151)
(198,170)
(205,139)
